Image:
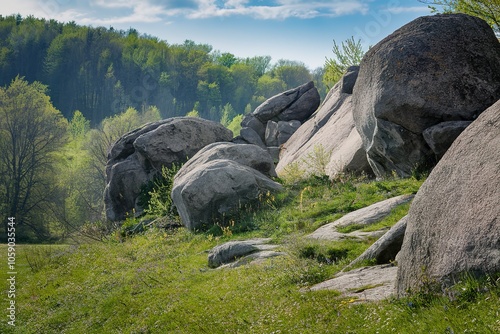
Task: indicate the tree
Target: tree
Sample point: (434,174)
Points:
(78,126)
(31,132)
(292,73)
(225,59)
(235,125)
(350,54)
(228,114)
(488,10)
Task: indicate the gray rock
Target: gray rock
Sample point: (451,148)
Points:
(331,128)
(246,154)
(237,253)
(364,284)
(252,137)
(295,104)
(408,82)
(205,193)
(254,258)
(349,80)
(363,217)
(124,147)
(286,130)
(126,178)
(138,156)
(250,121)
(178,139)
(274,152)
(387,247)
(453,223)
(303,107)
(440,137)
(272,134)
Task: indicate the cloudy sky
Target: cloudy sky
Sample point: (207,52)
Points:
(284,29)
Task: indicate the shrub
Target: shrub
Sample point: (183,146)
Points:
(155,196)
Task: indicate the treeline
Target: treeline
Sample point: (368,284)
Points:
(102,71)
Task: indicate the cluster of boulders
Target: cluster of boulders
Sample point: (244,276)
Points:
(278,118)
(138,157)
(413,94)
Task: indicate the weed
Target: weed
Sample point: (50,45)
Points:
(317,160)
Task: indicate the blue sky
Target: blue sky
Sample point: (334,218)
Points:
(283,29)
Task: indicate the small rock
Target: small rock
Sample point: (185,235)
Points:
(245,250)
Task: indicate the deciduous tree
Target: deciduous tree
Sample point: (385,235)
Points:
(31,133)
(488,10)
(348,53)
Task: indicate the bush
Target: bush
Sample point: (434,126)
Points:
(155,196)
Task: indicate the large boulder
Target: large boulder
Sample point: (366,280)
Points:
(330,130)
(435,69)
(294,104)
(138,156)
(215,184)
(249,155)
(453,222)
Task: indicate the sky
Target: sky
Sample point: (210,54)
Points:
(283,29)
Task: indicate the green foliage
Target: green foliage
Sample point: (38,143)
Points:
(314,165)
(228,114)
(193,113)
(349,53)
(101,72)
(291,73)
(41,256)
(120,286)
(78,126)
(488,10)
(235,125)
(32,131)
(328,256)
(317,160)
(156,196)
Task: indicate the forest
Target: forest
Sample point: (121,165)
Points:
(102,71)
(68,92)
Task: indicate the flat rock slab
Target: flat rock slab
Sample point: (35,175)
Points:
(364,217)
(237,253)
(364,284)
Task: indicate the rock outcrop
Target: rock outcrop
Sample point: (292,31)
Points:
(364,284)
(138,156)
(362,217)
(221,179)
(275,120)
(435,69)
(453,223)
(331,128)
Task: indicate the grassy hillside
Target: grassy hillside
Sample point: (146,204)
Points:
(159,281)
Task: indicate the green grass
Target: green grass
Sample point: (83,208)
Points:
(159,281)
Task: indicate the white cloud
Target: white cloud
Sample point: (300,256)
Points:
(415,9)
(109,12)
(282,10)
